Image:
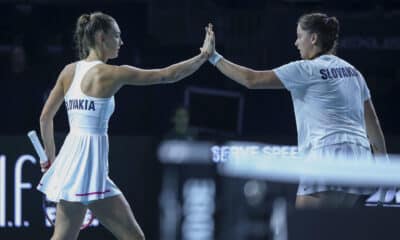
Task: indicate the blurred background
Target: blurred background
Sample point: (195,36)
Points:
(170,200)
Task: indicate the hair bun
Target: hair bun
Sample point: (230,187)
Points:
(331,21)
(84,19)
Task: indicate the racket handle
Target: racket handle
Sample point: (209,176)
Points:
(38,146)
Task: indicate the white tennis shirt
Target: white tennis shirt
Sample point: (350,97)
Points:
(328,97)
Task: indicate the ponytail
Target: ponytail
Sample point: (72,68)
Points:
(80,36)
(86,28)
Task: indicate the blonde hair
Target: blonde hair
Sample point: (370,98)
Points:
(86,27)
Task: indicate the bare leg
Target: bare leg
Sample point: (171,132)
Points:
(328,199)
(306,201)
(116,215)
(69,219)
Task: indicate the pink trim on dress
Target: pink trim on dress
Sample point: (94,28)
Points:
(91,193)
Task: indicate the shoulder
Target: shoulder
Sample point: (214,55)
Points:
(107,76)
(330,60)
(298,67)
(66,75)
(68,71)
(300,63)
(306,65)
(116,73)
(70,66)
(104,71)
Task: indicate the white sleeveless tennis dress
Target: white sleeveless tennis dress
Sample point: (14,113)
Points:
(80,170)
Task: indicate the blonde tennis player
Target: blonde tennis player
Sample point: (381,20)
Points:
(78,176)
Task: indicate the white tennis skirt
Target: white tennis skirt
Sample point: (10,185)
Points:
(347,151)
(80,170)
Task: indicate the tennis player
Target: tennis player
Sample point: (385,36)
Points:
(78,176)
(334,113)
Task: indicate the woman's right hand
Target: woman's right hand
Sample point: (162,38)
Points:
(46,165)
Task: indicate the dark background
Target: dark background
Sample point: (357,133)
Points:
(259,34)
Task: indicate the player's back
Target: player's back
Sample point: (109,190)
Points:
(337,90)
(328,97)
(332,103)
(87,114)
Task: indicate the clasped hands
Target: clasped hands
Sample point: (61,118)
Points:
(208,48)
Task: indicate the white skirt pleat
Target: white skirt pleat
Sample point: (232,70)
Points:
(80,170)
(343,151)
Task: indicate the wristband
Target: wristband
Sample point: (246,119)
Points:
(215,57)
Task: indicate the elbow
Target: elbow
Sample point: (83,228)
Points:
(250,84)
(170,77)
(44,119)
(250,81)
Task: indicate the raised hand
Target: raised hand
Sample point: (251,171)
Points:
(214,57)
(207,48)
(210,32)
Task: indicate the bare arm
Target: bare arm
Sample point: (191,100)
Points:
(376,137)
(128,75)
(49,110)
(374,130)
(248,77)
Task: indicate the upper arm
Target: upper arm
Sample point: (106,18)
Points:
(264,80)
(129,75)
(295,75)
(56,96)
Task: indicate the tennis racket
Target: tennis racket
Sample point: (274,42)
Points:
(49,207)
